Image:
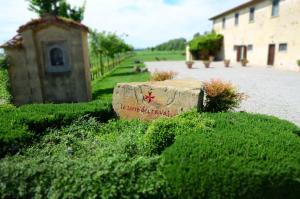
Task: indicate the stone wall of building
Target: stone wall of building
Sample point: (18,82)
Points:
(34,75)
(262,32)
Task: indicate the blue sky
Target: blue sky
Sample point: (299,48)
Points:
(172,2)
(146,22)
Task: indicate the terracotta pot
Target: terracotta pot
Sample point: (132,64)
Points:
(190,64)
(244,62)
(227,63)
(206,64)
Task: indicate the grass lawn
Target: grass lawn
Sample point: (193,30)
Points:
(147,56)
(103,87)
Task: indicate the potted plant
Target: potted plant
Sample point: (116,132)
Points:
(227,63)
(211,58)
(244,62)
(189,64)
(206,63)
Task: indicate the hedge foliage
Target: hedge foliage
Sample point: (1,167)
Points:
(244,156)
(216,155)
(85,160)
(20,126)
(5,96)
(207,45)
(162,133)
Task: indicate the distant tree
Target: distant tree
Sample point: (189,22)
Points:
(174,44)
(196,35)
(58,8)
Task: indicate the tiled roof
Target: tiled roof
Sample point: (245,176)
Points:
(15,42)
(47,20)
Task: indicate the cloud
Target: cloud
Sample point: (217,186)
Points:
(147,22)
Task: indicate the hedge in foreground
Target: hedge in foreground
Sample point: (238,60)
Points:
(238,155)
(85,160)
(244,156)
(20,126)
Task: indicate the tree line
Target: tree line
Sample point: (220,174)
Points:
(174,44)
(107,49)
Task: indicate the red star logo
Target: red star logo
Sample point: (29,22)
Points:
(149,97)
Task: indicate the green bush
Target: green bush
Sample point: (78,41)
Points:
(20,126)
(163,132)
(244,156)
(84,160)
(221,96)
(5,96)
(207,45)
(239,155)
(298,62)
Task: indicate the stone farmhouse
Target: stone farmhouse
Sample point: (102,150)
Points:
(265,32)
(49,62)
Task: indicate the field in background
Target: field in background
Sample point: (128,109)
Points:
(147,56)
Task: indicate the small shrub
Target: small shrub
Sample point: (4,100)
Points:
(298,62)
(221,96)
(4,62)
(162,76)
(137,69)
(162,132)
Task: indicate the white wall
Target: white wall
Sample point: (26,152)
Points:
(263,31)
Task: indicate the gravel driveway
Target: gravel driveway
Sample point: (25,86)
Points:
(270,91)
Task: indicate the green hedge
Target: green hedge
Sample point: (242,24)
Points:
(20,126)
(5,96)
(84,160)
(244,156)
(220,155)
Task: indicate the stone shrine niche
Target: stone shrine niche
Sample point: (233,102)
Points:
(56,57)
(49,62)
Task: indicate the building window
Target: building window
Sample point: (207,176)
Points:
(56,57)
(250,47)
(224,22)
(252,14)
(236,19)
(283,47)
(275,8)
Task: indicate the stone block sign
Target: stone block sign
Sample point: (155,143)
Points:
(151,100)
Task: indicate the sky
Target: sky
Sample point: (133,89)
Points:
(142,23)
